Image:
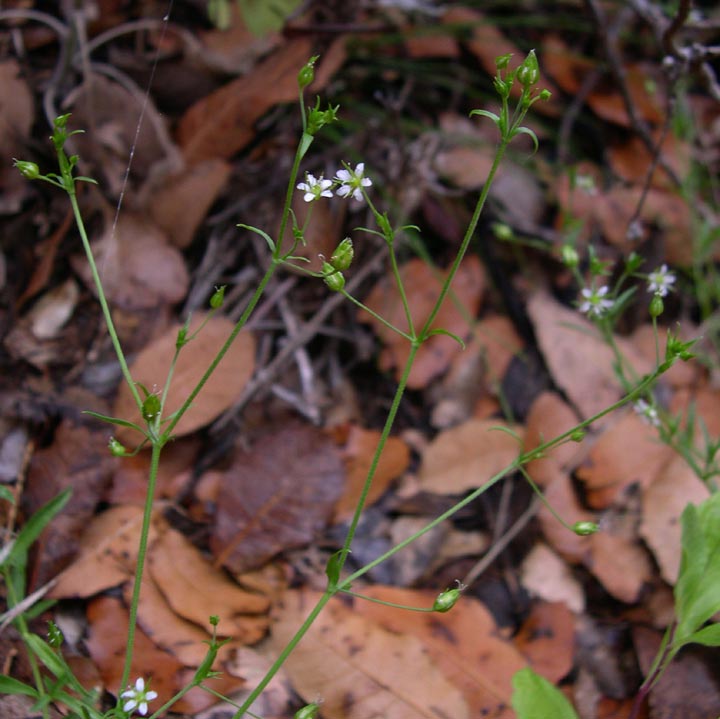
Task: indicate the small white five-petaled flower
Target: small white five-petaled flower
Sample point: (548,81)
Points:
(315,187)
(595,304)
(137,697)
(352,182)
(660,281)
(647,412)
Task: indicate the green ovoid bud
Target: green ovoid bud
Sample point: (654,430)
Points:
(333,278)
(446,600)
(55,635)
(545,95)
(116,448)
(29,170)
(151,408)
(307,73)
(657,306)
(502,61)
(502,231)
(214,620)
(578,435)
(583,529)
(309,711)
(570,257)
(216,301)
(529,72)
(343,256)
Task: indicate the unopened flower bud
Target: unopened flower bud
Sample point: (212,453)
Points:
(446,600)
(309,711)
(29,170)
(529,72)
(216,301)
(503,231)
(570,257)
(545,95)
(578,435)
(151,408)
(657,306)
(307,73)
(116,448)
(333,278)
(501,62)
(583,529)
(343,256)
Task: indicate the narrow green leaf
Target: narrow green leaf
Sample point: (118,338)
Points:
(114,420)
(264,235)
(8,685)
(6,494)
(46,654)
(486,113)
(534,697)
(709,636)
(35,525)
(528,131)
(452,335)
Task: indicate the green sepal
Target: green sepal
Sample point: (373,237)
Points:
(262,233)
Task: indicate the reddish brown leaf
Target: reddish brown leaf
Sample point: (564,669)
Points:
(77,458)
(358,454)
(546,639)
(276,496)
(468,455)
(628,452)
(138,268)
(222,123)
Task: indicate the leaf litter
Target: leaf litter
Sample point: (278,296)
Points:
(253,509)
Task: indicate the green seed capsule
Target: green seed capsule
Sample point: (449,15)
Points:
(578,435)
(657,306)
(529,72)
(151,408)
(309,711)
(116,449)
(216,301)
(343,256)
(332,277)
(29,170)
(307,73)
(583,529)
(446,600)
(55,635)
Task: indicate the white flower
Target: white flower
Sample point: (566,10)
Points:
(137,697)
(595,304)
(352,182)
(315,187)
(660,281)
(647,412)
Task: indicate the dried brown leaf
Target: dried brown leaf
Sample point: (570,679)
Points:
(276,496)
(361,669)
(220,391)
(466,456)
(464,643)
(422,286)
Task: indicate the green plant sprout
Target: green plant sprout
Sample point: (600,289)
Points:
(701,537)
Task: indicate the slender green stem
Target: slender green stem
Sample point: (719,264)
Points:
(223,350)
(299,154)
(399,392)
(394,605)
(282,657)
(140,564)
(378,317)
(103,301)
(469,232)
(521,460)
